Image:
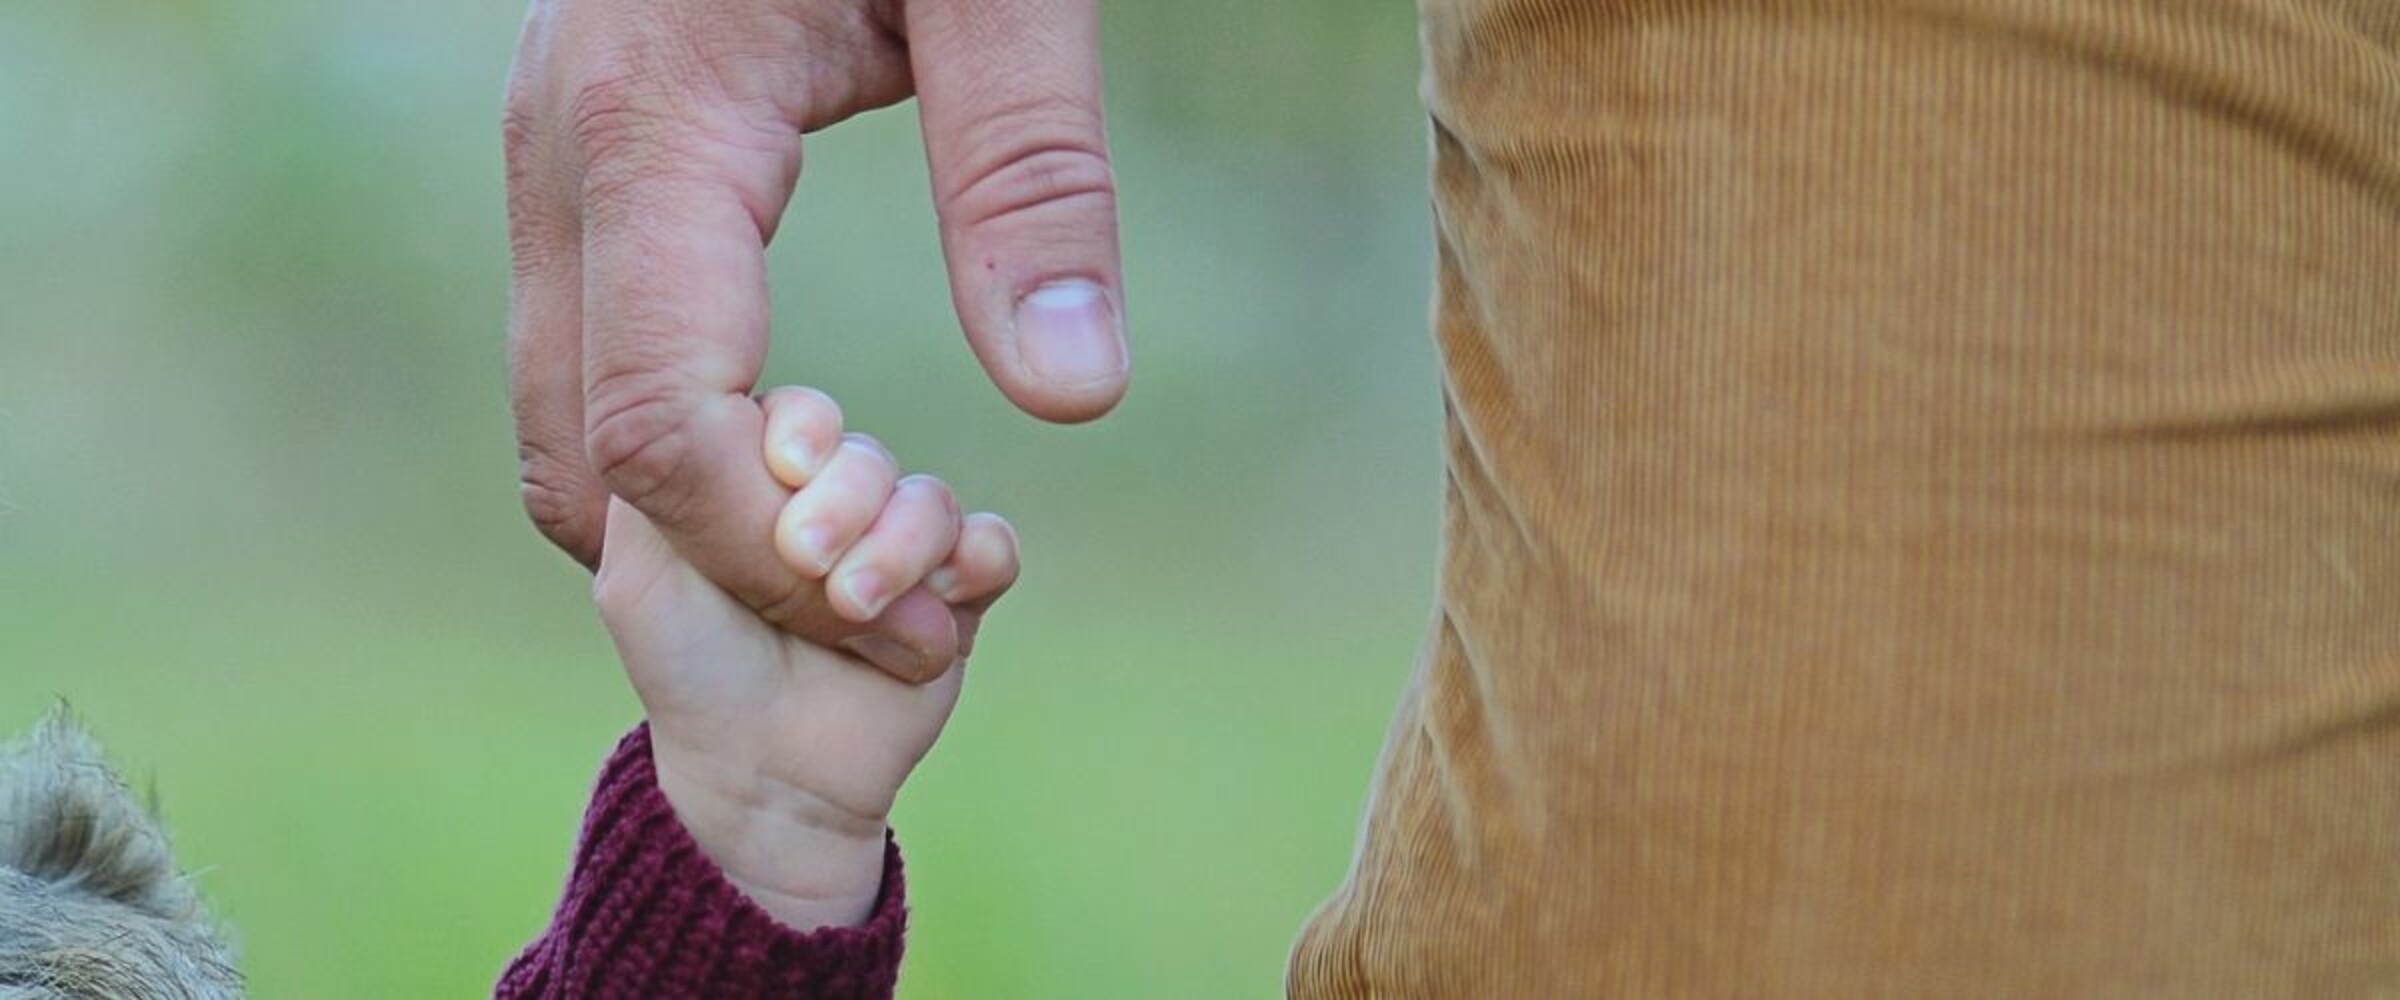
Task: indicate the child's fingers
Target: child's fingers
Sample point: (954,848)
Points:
(916,530)
(829,514)
(980,567)
(804,427)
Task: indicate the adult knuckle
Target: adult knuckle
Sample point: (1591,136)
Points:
(628,130)
(558,512)
(647,98)
(639,439)
(552,510)
(1034,175)
(638,81)
(555,490)
(614,114)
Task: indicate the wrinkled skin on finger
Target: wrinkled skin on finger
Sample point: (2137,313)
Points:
(651,148)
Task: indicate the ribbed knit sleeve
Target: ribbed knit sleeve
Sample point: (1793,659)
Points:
(646,914)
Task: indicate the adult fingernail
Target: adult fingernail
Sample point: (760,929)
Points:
(1067,332)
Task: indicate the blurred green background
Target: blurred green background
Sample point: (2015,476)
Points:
(261,526)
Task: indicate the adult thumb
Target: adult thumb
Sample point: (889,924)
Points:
(1009,91)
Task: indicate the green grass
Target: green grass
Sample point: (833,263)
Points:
(382,804)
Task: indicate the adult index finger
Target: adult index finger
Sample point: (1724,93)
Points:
(675,223)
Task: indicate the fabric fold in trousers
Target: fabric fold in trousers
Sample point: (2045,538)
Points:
(1923,509)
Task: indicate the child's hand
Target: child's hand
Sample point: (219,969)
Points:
(782,757)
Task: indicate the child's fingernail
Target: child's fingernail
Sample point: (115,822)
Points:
(943,582)
(1067,333)
(816,547)
(798,460)
(865,591)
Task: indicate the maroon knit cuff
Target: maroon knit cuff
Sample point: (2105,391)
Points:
(646,914)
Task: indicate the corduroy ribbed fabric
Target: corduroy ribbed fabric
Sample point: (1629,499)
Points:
(647,916)
(1923,508)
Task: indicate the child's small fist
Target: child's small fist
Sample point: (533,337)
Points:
(869,533)
(782,757)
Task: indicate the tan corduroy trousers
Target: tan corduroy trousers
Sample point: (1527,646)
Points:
(1923,508)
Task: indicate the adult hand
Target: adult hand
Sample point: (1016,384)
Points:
(651,147)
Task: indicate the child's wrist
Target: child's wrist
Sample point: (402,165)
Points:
(805,861)
(837,885)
